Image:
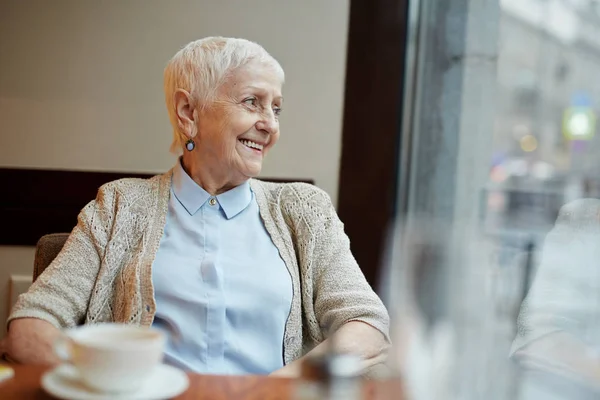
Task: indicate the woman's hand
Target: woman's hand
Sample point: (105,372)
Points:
(30,341)
(291,370)
(353,337)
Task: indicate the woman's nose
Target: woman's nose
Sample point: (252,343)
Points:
(268,123)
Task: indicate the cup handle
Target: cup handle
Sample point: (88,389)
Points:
(63,348)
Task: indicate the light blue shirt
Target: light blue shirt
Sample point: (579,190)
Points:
(223,293)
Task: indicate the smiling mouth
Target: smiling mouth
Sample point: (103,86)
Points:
(252,145)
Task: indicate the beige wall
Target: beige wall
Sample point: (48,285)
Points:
(81,84)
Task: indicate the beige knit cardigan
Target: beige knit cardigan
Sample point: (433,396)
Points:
(103,274)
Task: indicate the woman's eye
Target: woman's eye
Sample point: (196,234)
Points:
(250,101)
(277,111)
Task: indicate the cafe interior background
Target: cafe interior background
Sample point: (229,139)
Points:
(473,112)
(81,87)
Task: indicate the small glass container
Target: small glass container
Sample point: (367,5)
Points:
(332,376)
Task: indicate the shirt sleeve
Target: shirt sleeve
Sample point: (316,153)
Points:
(61,294)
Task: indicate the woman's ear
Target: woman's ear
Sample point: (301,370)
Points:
(186,113)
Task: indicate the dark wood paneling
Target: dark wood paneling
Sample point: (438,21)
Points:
(35,202)
(38,202)
(371,133)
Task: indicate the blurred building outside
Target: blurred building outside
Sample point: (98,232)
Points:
(499,132)
(547,102)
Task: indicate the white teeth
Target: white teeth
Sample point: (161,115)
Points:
(251,144)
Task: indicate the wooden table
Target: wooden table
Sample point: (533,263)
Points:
(26,385)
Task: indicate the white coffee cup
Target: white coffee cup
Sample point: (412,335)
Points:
(113,358)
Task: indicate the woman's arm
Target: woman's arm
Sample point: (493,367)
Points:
(59,298)
(354,337)
(31,341)
(341,291)
(343,301)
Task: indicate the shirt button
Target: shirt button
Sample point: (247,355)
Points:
(212,201)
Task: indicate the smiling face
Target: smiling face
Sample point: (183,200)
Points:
(236,131)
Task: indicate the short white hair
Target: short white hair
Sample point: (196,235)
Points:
(202,66)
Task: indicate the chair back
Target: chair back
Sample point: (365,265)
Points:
(46,250)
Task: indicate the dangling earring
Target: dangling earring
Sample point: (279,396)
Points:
(190,145)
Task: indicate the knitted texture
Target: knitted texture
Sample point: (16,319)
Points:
(103,273)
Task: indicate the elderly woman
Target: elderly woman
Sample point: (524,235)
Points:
(242,276)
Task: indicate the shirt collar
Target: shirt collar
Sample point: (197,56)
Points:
(236,200)
(192,196)
(189,193)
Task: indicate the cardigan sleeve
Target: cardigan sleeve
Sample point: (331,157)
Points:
(341,292)
(61,294)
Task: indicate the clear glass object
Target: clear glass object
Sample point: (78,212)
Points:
(455,295)
(331,376)
(453,313)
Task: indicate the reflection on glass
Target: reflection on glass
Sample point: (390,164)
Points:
(506,304)
(559,322)
(453,304)
(545,143)
(548,94)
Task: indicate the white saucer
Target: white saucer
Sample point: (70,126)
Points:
(165,382)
